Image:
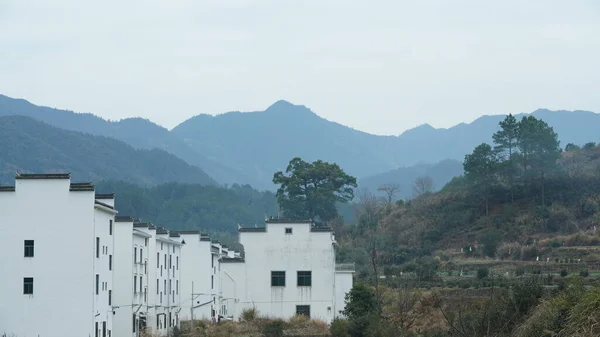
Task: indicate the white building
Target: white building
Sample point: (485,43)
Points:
(288,268)
(130,273)
(55,255)
(200,277)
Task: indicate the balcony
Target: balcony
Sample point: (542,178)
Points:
(345,267)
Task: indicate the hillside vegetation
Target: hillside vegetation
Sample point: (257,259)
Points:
(27,145)
(193,206)
(521,199)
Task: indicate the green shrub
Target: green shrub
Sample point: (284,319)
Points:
(482,273)
(520,271)
(584,273)
(339,328)
(564,273)
(555,244)
(249,314)
(274,328)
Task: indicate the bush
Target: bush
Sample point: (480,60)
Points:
(490,243)
(482,273)
(274,328)
(249,314)
(584,273)
(555,244)
(339,328)
(564,273)
(520,271)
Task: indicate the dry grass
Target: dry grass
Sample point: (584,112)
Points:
(295,326)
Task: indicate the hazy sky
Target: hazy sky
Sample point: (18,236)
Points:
(378,66)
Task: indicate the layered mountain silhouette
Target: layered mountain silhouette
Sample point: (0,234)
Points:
(248,147)
(27,145)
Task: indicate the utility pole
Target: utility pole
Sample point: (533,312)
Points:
(192,310)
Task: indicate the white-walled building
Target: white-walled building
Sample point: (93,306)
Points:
(288,268)
(55,258)
(200,278)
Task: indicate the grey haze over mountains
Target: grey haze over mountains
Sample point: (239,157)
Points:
(248,147)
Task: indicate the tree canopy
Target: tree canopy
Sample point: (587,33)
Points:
(311,190)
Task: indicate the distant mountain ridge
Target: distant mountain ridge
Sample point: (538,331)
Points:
(28,145)
(138,132)
(248,147)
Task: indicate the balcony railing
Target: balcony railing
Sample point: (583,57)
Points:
(345,267)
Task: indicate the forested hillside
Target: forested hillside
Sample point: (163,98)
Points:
(188,206)
(27,145)
(520,190)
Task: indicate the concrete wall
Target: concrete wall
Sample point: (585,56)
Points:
(274,250)
(63,267)
(122,272)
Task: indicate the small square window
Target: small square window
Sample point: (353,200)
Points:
(304,279)
(28,248)
(303,310)
(288,231)
(28,285)
(278,279)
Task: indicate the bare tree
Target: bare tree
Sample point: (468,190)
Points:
(390,191)
(423,185)
(368,214)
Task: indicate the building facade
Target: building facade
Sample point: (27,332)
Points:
(57,251)
(288,268)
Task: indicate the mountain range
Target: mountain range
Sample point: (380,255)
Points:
(248,147)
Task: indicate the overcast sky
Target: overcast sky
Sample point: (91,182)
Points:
(378,66)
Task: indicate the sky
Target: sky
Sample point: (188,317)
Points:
(378,66)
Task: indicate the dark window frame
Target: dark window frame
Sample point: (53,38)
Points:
(110,227)
(288,230)
(97,247)
(303,310)
(97,284)
(277,278)
(27,285)
(29,248)
(304,278)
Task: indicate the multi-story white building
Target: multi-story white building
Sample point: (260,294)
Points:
(56,258)
(130,273)
(200,278)
(288,268)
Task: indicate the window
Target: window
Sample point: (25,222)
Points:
(110,297)
(134,322)
(135,284)
(97,247)
(141,255)
(165,287)
(177,263)
(110,227)
(161,246)
(96,329)
(165,261)
(28,248)
(110,262)
(157,286)
(146,242)
(103,329)
(177,287)
(304,279)
(134,255)
(212,282)
(277,279)
(212,261)
(97,284)
(170,286)
(157,260)
(303,310)
(170,261)
(28,285)
(161,297)
(141,284)
(173,249)
(288,231)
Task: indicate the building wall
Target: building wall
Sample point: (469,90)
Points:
(274,250)
(168,276)
(103,220)
(122,272)
(343,284)
(61,223)
(196,268)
